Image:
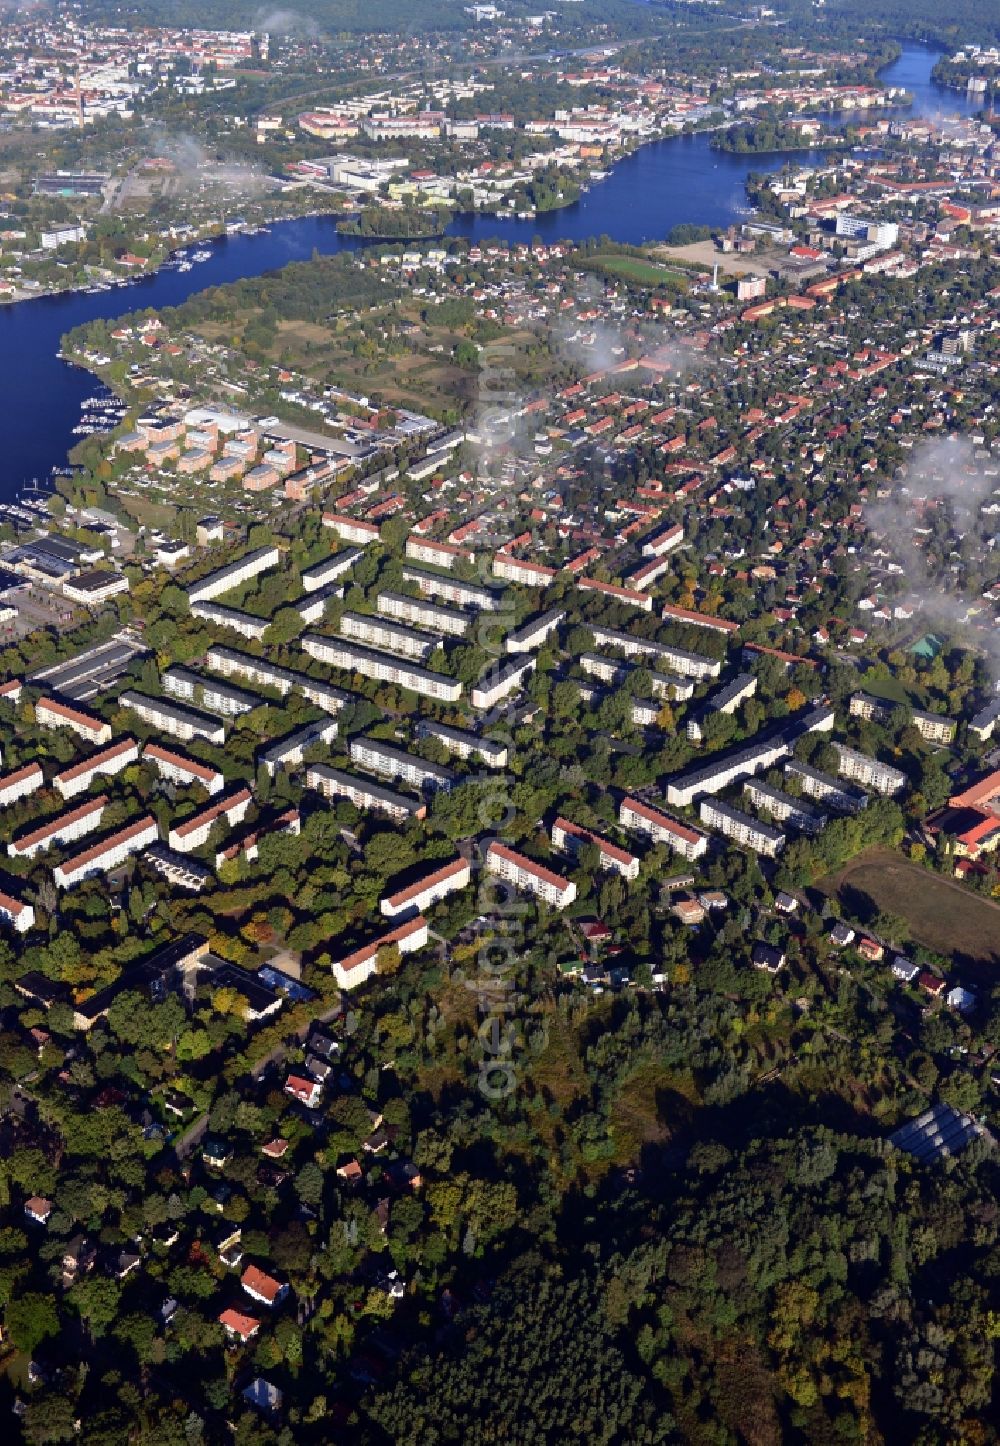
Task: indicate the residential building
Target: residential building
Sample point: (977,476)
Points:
(378,632)
(230,662)
(689,665)
(51,713)
(19,783)
(248,625)
(741,827)
(360,964)
(536,631)
(659,543)
(689,842)
(289,752)
(15,912)
(823,786)
(337,783)
(571,837)
(233,575)
(500,680)
(184,723)
(869,772)
(62,828)
(350,529)
(355,658)
(784,806)
(421,614)
(524,873)
(736,764)
(107,854)
(111,760)
(933,727)
(633,596)
(427,890)
(209,693)
(395,763)
(182,770)
(263,1287)
(983,723)
(452,590)
(465,744)
(192,833)
(527,574)
(439,554)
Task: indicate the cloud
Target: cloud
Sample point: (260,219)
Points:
(286,22)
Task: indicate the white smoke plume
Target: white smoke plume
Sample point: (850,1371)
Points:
(288,23)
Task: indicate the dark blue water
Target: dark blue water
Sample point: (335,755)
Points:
(646,195)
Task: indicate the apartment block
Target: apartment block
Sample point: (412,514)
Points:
(633,596)
(689,665)
(360,964)
(378,632)
(232,663)
(394,763)
(452,590)
(784,806)
(247,845)
(428,890)
(362,792)
(672,614)
(741,827)
(51,713)
(499,681)
(20,782)
(172,718)
(438,554)
(933,727)
(868,772)
(107,854)
(350,529)
(192,833)
(823,786)
(62,828)
(355,658)
(182,770)
(109,761)
(15,912)
(527,574)
(321,574)
(465,744)
(571,837)
(290,751)
(736,764)
(248,625)
(233,575)
(648,573)
(422,614)
(689,842)
(658,544)
(523,873)
(217,697)
(536,631)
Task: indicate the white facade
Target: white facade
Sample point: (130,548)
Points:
(571,837)
(181,770)
(424,614)
(394,637)
(114,759)
(428,890)
(20,783)
(463,594)
(193,832)
(50,713)
(355,658)
(108,855)
(233,575)
(62,829)
(524,873)
(689,842)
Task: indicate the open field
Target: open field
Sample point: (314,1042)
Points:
(942,914)
(707,254)
(635,269)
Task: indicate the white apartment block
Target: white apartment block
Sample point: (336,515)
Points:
(439,554)
(50,713)
(15,912)
(499,681)
(393,637)
(528,574)
(19,783)
(424,614)
(658,544)
(358,966)
(107,855)
(571,837)
(232,663)
(363,793)
(193,832)
(321,574)
(784,806)
(217,697)
(649,572)
(868,772)
(689,842)
(394,763)
(523,873)
(465,744)
(289,752)
(182,770)
(349,529)
(184,723)
(815,784)
(10,692)
(383,667)
(462,594)
(62,829)
(248,625)
(633,596)
(233,575)
(424,892)
(111,760)
(535,631)
(741,827)
(689,665)
(932,727)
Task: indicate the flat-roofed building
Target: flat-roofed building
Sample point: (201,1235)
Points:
(331,569)
(535,631)
(95,586)
(108,854)
(571,837)
(230,662)
(182,770)
(383,667)
(351,529)
(453,590)
(362,792)
(290,751)
(422,614)
(741,827)
(676,660)
(51,713)
(784,806)
(379,632)
(868,772)
(209,693)
(356,967)
(524,874)
(822,786)
(172,718)
(499,680)
(192,833)
(248,625)
(395,763)
(20,782)
(428,890)
(932,727)
(689,842)
(464,743)
(233,575)
(111,760)
(61,828)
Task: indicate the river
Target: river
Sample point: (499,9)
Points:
(645,195)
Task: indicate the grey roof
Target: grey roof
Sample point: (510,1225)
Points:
(938,1133)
